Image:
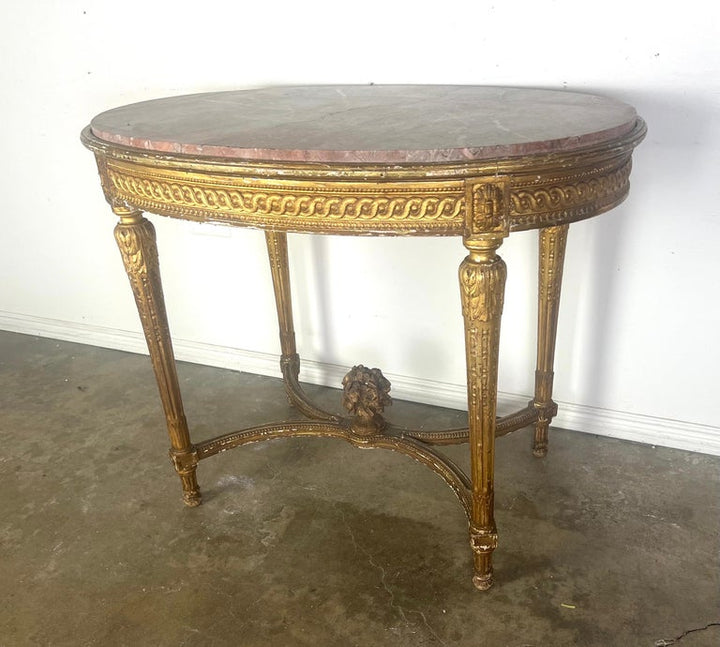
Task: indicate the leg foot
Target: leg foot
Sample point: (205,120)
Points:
(483,542)
(540,440)
(484,582)
(191,490)
(185,463)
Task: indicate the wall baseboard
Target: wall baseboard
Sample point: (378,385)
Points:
(602,422)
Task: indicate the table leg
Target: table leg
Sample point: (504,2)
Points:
(482,288)
(135,237)
(280,270)
(279,267)
(551,256)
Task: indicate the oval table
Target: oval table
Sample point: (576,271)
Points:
(476,162)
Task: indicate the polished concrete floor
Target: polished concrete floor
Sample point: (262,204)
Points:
(312,542)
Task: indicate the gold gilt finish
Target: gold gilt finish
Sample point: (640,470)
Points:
(135,237)
(355,199)
(482,201)
(551,257)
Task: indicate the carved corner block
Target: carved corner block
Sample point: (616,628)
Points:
(487,211)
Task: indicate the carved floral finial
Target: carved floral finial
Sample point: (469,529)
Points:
(365,395)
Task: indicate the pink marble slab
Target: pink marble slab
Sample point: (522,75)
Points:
(368,123)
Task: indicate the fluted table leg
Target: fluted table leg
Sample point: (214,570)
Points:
(551,257)
(135,237)
(279,268)
(482,286)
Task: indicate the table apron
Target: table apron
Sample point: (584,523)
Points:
(538,197)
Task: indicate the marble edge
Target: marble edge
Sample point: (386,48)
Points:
(464,154)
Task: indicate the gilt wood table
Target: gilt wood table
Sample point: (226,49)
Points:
(475,162)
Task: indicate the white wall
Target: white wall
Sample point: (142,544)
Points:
(638,355)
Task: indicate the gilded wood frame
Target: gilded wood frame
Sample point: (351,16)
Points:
(481,201)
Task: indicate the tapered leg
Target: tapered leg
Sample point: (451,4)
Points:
(279,267)
(135,237)
(289,359)
(552,254)
(482,287)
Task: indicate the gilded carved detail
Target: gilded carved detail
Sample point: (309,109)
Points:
(480,199)
(135,237)
(489,205)
(136,243)
(366,393)
(399,442)
(482,294)
(482,285)
(496,205)
(552,257)
(567,199)
(293,202)
(482,377)
(483,289)
(277,251)
(105,183)
(567,194)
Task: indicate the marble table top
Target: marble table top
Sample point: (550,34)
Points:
(368,124)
